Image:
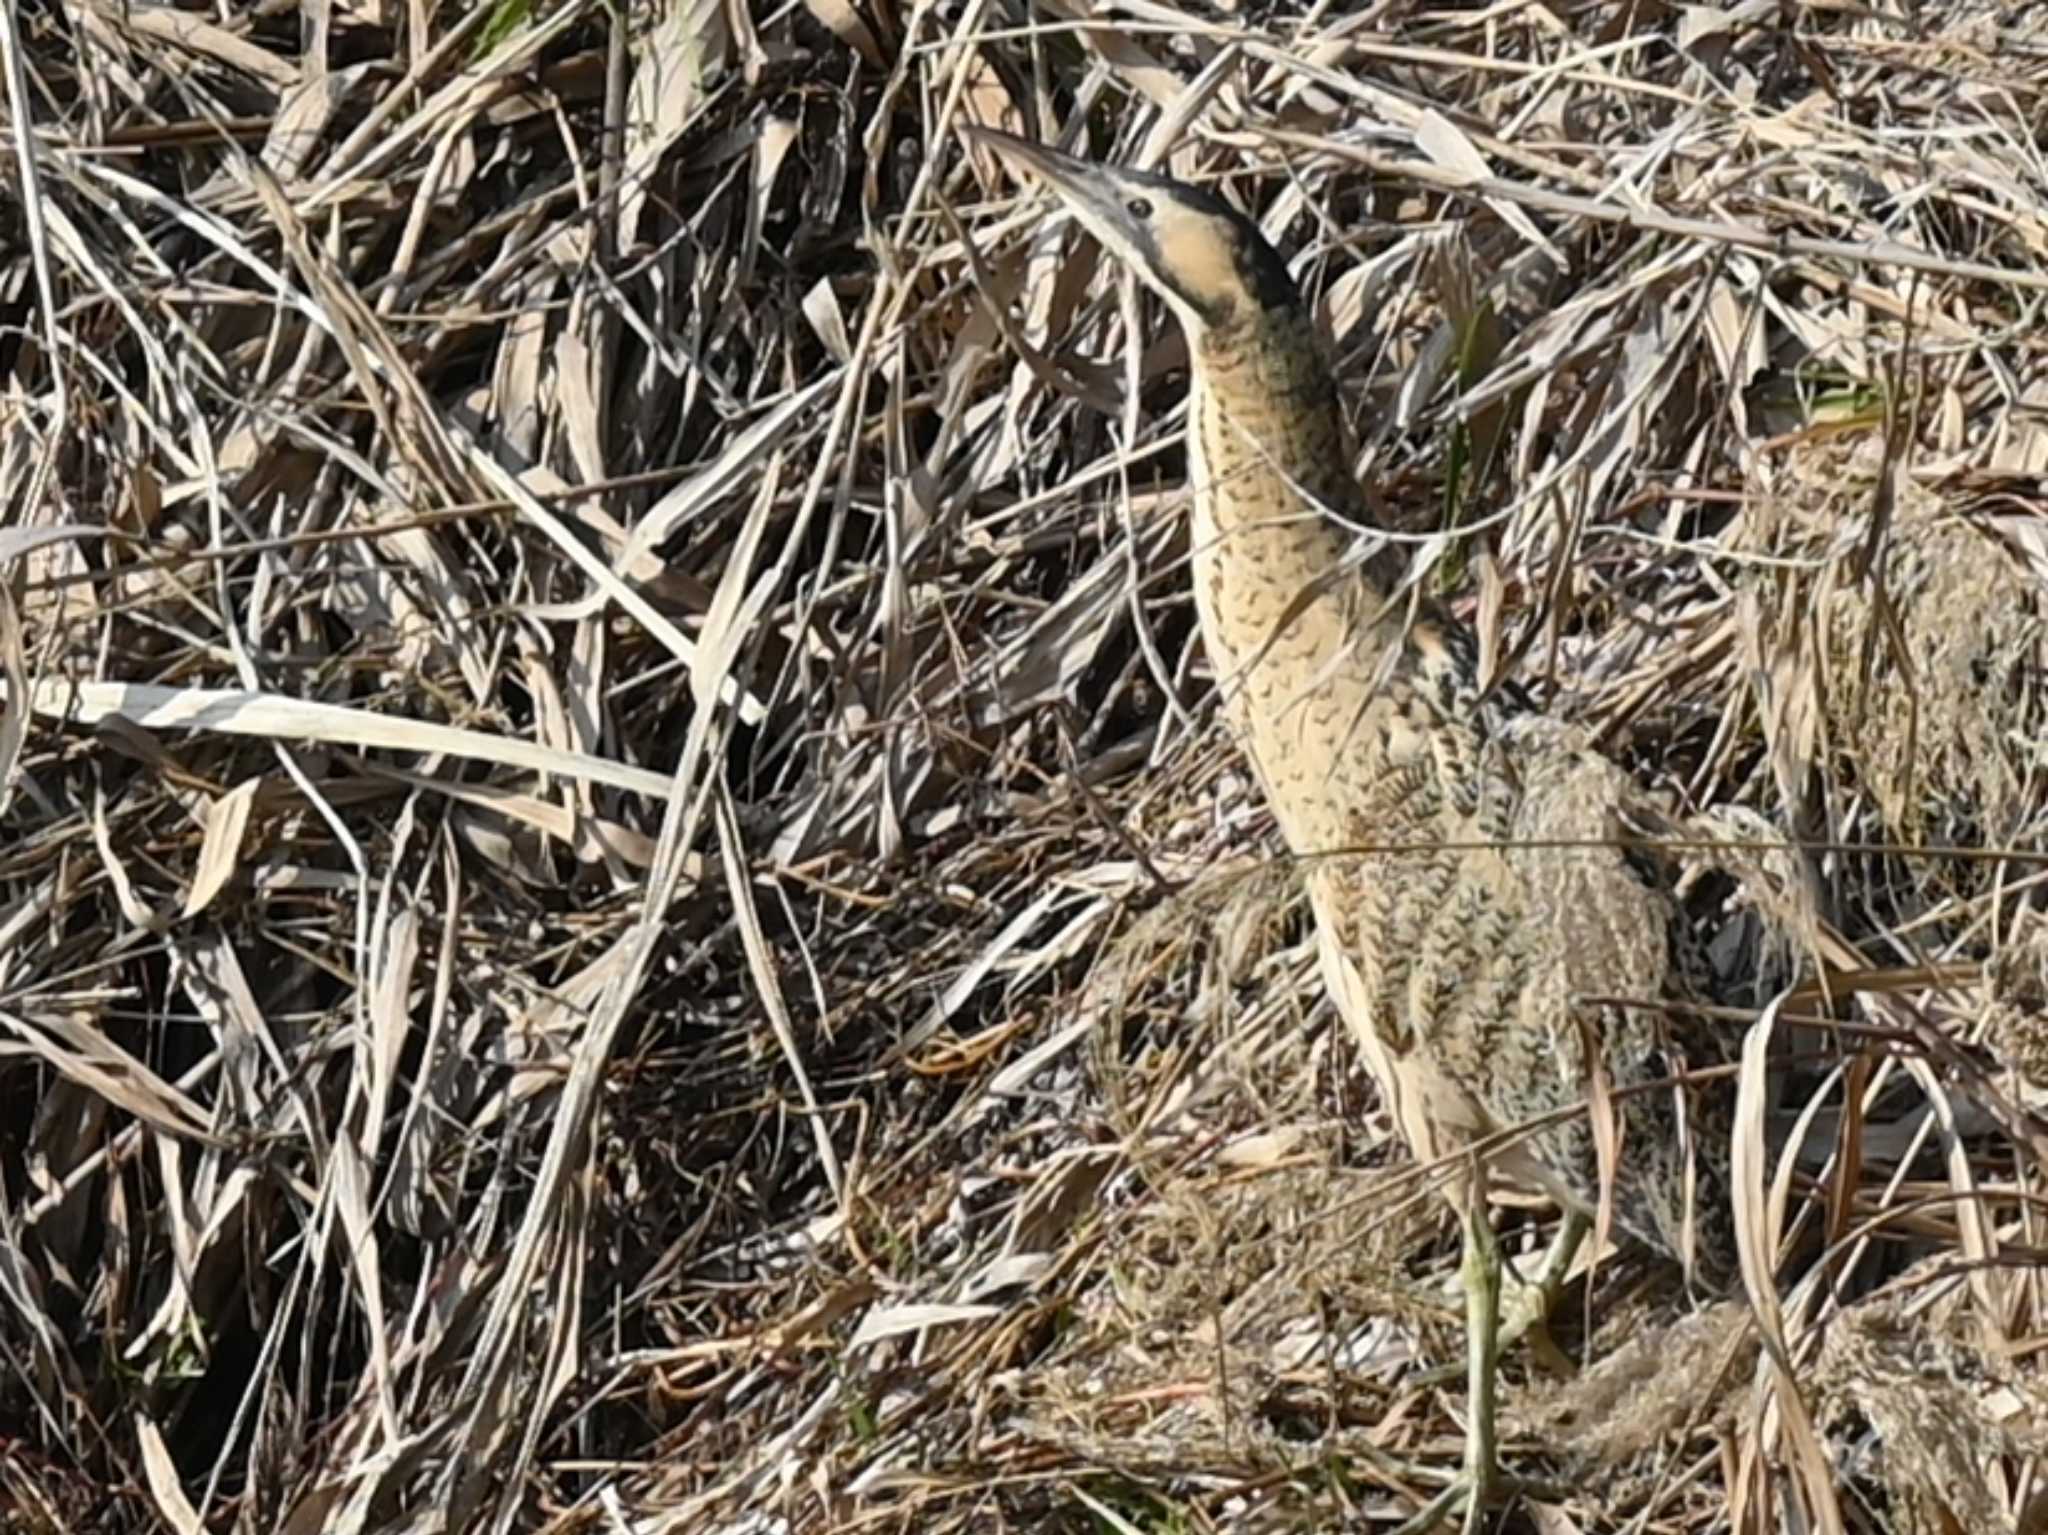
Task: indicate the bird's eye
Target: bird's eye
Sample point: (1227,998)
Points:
(1139,208)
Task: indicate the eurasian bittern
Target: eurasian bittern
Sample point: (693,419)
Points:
(1496,954)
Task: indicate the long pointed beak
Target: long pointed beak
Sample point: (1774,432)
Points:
(1095,193)
(1054,165)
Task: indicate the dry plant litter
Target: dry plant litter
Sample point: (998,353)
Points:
(622,904)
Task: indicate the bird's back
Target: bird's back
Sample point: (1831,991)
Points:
(1504,947)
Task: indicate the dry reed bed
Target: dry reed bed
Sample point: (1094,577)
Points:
(622,901)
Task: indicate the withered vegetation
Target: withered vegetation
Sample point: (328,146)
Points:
(622,902)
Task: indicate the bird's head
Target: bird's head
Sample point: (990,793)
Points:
(1208,261)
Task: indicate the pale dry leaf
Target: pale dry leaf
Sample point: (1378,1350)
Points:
(346,1193)
(1448,146)
(19,543)
(1265,1149)
(220,852)
(848,26)
(297,132)
(768,988)
(515,394)
(14,675)
(133,907)
(165,1485)
(390,1020)
(821,308)
(984,100)
(773,141)
(1439,138)
(576,371)
(1122,54)
(183,29)
(611,587)
(77,1048)
(676,63)
(1178,118)
(266,715)
(739,463)
(885,1322)
(1756,1241)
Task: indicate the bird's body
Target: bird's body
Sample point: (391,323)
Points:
(1497,956)
(1464,944)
